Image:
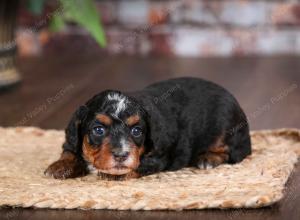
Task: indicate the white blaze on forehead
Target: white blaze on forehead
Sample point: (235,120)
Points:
(126,148)
(125,145)
(121,102)
(115,97)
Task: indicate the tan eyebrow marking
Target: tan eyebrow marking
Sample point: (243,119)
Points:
(104,119)
(132,120)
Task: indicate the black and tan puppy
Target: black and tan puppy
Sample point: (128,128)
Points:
(166,126)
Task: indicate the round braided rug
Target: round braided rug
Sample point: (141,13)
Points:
(257,181)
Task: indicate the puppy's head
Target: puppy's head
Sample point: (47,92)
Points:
(112,134)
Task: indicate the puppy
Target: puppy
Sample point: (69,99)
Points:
(183,122)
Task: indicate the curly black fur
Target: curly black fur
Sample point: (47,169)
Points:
(183,117)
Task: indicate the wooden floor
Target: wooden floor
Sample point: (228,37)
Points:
(53,86)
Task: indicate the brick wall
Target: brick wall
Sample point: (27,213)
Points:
(202,27)
(195,28)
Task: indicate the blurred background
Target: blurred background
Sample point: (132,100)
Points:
(54,55)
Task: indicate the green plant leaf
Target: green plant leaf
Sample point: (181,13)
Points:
(56,23)
(84,13)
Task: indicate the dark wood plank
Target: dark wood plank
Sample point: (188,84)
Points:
(253,80)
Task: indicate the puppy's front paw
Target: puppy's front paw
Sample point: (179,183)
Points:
(63,169)
(205,165)
(211,160)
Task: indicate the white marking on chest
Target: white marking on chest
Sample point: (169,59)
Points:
(92,169)
(121,102)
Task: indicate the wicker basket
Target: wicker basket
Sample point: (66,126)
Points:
(8,73)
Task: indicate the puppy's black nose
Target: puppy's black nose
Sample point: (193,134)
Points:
(120,156)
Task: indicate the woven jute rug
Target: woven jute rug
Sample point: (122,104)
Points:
(257,181)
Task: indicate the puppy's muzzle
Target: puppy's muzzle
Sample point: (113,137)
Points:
(120,155)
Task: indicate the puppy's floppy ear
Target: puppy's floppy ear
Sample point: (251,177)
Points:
(161,131)
(74,131)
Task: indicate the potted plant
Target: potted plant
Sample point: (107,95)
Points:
(8,73)
(81,12)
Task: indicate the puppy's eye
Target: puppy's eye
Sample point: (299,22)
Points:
(136,131)
(99,130)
